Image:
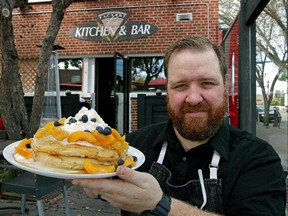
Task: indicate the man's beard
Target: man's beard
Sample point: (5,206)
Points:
(197,128)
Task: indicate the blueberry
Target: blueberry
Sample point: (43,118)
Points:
(84,118)
(135,158)
(93,119)
(72,120)
(120,162)
(28,145)
(99,129)
(56,123)
(107,131)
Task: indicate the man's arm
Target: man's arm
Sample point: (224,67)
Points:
(258,188)
(134,192)
(184,209)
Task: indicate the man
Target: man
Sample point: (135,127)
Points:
(198,165)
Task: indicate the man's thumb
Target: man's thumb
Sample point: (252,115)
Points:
(130,175)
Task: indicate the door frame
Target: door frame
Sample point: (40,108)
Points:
(126,89)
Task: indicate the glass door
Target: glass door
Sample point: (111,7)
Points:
(121,93)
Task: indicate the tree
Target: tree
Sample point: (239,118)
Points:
(12,105)
(271,42)
(228,10)
(77,63)
(152,66)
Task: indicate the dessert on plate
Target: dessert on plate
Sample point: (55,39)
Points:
(83,143)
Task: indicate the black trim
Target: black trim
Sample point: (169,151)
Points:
(162,208)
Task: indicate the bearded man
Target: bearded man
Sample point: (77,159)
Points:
(196,163)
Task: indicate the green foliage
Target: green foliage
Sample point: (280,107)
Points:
(283,76)
(275,101)
(7,173)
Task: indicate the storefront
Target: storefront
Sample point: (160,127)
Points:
(113,50)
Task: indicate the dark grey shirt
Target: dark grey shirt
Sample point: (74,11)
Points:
(250,170)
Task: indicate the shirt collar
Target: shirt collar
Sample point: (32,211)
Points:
(220,142)
(165,134)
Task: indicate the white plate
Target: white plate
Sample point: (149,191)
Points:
(33,167)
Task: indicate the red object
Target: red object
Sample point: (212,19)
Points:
(2,127)
(157,82)
(71,84)
(231,51)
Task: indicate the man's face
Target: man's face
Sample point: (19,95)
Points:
(196,97)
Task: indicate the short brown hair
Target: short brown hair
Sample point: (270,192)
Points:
(196,43)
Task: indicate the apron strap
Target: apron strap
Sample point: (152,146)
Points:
(162,153)
(214,165)
(204,195)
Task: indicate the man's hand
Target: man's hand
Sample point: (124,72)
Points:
(134,191)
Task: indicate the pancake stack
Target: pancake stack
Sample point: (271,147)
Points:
(80,144)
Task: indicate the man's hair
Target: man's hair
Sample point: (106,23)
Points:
(196,43)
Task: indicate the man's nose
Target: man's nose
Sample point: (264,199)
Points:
(194,95)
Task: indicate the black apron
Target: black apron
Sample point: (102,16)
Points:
(205,194)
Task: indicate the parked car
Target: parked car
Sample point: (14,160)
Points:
(271,113)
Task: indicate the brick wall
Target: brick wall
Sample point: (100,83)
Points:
(30,26)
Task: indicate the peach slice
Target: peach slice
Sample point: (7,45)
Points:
(24,148)
(117,135)
(103,140)
(59,134)
(82,136)
(91,167)
(129,161)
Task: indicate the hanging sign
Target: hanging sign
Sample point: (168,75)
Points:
(113,25)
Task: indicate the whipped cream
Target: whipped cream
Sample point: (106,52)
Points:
(94,120)
(89,122)
(22,159)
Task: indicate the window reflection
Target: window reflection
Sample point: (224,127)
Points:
(70,74)
(147,74)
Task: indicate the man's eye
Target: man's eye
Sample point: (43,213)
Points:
(182,86)
(208,84)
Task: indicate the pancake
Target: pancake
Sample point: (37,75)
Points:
(60,161)
(54,147)
(83,143)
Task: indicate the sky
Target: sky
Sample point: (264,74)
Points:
(271,71)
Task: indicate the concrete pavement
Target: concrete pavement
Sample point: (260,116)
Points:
(277,137)
(80,205)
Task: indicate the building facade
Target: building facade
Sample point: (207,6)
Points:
(113,50)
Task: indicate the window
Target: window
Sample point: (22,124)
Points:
(70,74)
(147,73)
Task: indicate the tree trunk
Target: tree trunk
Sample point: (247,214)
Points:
(42,71)
(12,106)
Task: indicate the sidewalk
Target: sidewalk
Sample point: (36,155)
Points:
(80,205)
(277,137)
